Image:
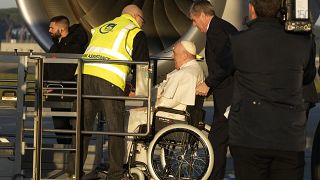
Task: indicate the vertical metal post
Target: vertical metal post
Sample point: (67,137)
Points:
(150,83)
(21,91)
(100,140)
(154,66)
(78,159)
(38,120)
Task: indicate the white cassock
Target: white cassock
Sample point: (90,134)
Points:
(177,91)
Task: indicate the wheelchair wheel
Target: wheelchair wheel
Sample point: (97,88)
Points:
(180,151)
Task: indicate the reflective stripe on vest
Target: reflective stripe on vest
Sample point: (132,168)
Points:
(110,52)
(96,70)
(122,34)
(111,68)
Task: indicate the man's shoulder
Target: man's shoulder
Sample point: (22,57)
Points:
(225,22)
(77,30)
(253,32)
(219,23)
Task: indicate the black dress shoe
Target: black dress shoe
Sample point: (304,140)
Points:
(91,176)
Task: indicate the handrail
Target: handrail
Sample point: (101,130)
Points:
(38,61)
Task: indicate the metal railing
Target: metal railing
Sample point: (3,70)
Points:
(79,96)
(39,92)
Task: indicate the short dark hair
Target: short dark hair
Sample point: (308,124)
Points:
(200,6)
(63,20)
(266,8)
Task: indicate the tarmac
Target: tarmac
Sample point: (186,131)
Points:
(312,123)
(7,126)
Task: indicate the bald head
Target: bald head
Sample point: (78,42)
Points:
(135,12)
(132,10)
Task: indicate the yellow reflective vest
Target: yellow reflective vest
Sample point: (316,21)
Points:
(112,40)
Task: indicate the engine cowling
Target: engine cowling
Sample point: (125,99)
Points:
(166,20)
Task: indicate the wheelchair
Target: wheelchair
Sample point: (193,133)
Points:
(175,149)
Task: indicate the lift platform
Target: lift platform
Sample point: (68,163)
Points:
(28,148)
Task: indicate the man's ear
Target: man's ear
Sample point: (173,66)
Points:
(186,56)
(252,12)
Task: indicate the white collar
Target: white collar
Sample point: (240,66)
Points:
(189,63)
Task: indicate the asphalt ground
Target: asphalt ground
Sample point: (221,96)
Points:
(312,123)
(8,126)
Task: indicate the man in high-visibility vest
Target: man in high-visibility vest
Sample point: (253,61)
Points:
(119,39)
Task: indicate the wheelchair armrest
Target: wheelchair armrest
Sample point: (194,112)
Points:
(170,110)
(164,116)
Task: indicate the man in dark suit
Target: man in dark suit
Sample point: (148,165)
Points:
(267,117)
(219,81)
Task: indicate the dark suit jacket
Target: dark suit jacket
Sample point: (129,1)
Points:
(219,64)
(271,67)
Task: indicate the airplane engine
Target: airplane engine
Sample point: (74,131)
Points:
(166,20)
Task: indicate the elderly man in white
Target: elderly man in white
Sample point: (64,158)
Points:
(178,90)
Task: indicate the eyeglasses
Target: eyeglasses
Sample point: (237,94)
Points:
(143,21)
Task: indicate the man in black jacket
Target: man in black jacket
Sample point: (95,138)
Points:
(219,81)
(65,39)
(267,117)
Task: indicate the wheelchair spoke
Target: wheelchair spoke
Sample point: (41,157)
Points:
(183,155)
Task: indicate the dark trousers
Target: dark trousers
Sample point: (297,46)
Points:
(264,164)
(114,111)
(218,135)
(62,123)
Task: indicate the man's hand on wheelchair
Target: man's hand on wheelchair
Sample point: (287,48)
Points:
(202,89)
(132,93)
(130,90)
(49,91)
